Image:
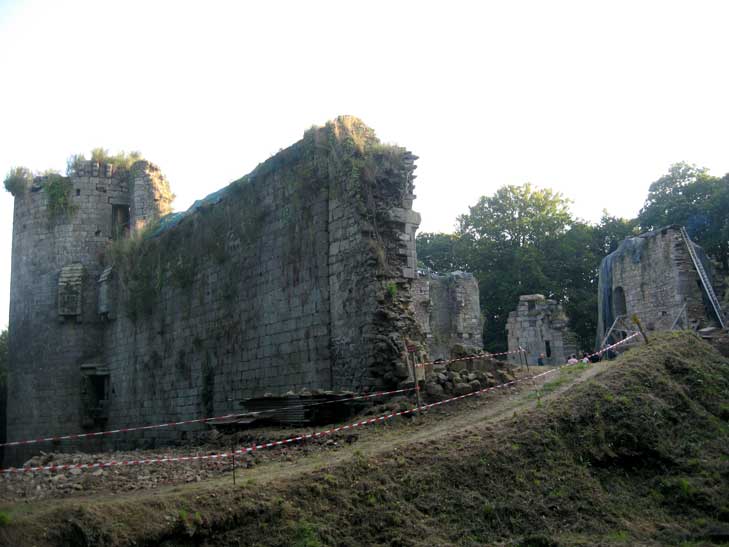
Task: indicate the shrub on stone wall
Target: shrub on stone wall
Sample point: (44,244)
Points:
(18,180)
(58,189)
(121,161)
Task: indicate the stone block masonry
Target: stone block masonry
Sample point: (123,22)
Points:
(652,276)
(539,326)
(447,309)
(296,276)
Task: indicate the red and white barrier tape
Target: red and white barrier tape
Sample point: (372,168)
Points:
(186,422)
(290,439)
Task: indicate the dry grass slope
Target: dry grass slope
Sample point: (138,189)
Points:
(639,455)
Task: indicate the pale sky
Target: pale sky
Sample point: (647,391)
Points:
(593,99)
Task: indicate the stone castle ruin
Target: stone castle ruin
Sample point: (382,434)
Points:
(447,309)
(539,326)
(654,277)
(297,276)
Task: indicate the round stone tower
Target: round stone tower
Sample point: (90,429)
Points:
(62,227)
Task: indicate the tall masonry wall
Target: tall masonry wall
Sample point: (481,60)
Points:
(652,275)
(281,281)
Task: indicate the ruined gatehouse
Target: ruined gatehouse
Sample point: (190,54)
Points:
(539,326)
(654,278)
(298,275)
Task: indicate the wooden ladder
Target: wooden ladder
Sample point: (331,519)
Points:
(704,277)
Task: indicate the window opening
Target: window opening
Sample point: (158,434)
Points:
(119,221)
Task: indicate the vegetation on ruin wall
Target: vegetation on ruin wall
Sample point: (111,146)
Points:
(56,187)
(136,261)
(18,180)
(121,161)
(148,261)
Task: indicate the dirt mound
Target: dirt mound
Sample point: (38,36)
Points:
(637,456)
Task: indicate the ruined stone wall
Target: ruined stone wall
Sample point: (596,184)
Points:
(652,276)
(280,282)
(151,195)
(45,347)
(448,312)
(539,326)
(60,240)
(296,276)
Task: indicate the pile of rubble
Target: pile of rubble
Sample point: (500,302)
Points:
(123,478)
(460,378)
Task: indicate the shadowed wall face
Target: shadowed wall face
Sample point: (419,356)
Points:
(296,276)
(652,276)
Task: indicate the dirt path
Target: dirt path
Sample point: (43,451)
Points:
(437,423)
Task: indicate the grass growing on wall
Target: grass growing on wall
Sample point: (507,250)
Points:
(18,180)
(122,161)
(58,189)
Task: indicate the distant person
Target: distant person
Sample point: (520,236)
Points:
(540,360)
(572,360)
(585,358)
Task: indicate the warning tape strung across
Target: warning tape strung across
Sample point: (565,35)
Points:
(489,355)
(290,440)
(193,421)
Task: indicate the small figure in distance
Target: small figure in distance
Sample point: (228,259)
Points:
(585,357)
(540,360)
(572,360)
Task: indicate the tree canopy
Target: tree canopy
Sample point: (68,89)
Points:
(523,240)
(690,196)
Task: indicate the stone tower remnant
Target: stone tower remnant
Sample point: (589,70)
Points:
(447,309)
(540,326)
(296,276)
(653,276)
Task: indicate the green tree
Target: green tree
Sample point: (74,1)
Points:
(523,240)
(440,252)
(518,216)
(506,239)
(688,195)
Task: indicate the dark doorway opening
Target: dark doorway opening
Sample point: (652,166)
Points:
(119,221)
(94,396)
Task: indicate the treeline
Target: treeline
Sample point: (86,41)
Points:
(524,240)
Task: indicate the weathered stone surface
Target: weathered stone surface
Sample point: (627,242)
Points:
(448,312)
(294,277)
(539,326)
(652,276)
(461,389)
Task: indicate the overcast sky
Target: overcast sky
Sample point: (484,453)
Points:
(593,99)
